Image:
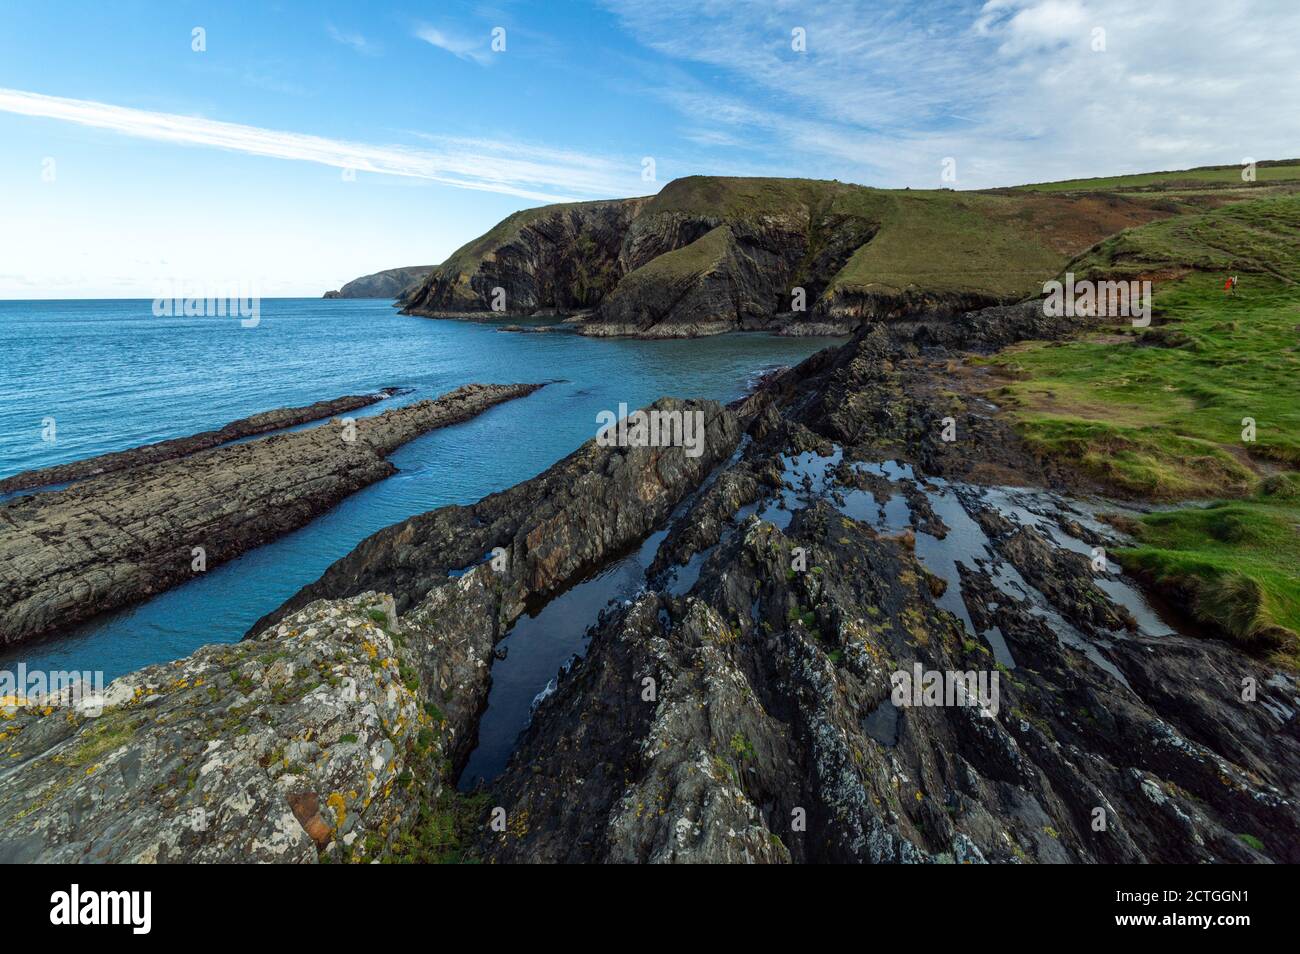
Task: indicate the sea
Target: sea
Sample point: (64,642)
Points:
(80,378)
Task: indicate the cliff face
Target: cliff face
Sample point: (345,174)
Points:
(709,255)
(389,283)
(562,257)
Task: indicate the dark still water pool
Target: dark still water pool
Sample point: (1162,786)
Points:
(110,375)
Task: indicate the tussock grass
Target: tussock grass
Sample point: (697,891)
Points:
(1236,565)
(1147,462)
(1261,237)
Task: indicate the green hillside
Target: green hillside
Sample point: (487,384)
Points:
(1159,413)
(956,242)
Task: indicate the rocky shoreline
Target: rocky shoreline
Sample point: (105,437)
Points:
(383,707)
(742,705)
(774,737)
(124,535)
(251,426)
(589,326)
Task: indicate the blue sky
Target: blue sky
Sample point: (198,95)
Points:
(311,143)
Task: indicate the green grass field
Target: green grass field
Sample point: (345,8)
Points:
(952,242)
(1236,563)
(1206,176)
(1159,413)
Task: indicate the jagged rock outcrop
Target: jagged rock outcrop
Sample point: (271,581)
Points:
(750,716)
(319,739)
(390,283)
(119,537)
(592,505)
(562,257)
(721,281)
(325,733)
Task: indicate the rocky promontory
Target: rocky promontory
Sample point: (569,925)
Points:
(110,540)
(584,510)
(389,283)
(316,740)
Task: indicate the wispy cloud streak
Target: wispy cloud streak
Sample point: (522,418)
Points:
(463,47)
(541,174)
(355,40)
(1015,90)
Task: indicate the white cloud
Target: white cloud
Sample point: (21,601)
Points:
(354,40)
(1044,25)
(475,50)
(1013,88)
(530,172)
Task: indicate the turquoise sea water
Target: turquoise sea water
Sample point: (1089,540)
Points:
(112,376)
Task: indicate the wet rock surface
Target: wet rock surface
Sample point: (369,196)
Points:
(594,505)
(117,538)
(749,714)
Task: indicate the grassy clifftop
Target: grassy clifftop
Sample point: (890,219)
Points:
(1204,177)
(858,252)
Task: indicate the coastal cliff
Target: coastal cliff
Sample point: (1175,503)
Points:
(708,255)
(559,257)
(901,603)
